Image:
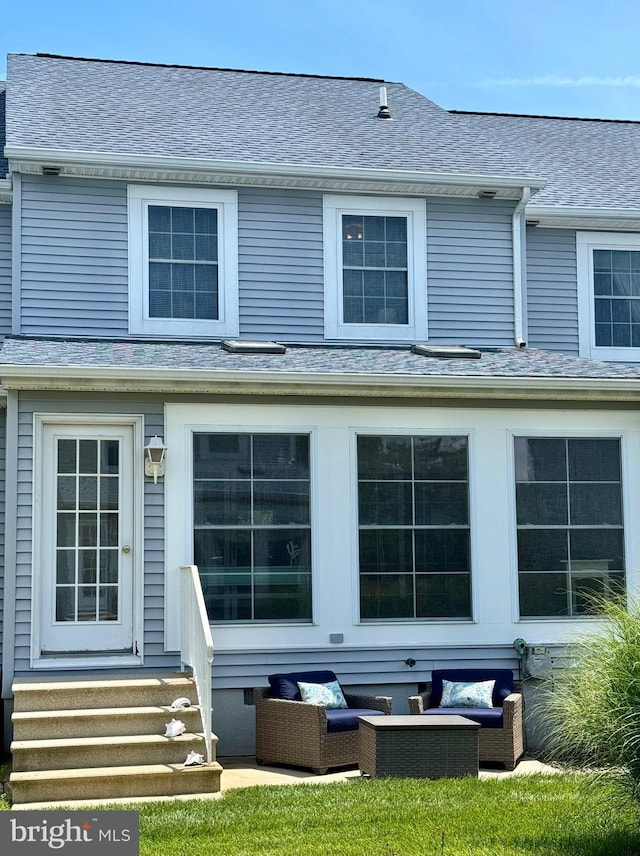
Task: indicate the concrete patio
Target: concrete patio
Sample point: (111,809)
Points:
(243,772)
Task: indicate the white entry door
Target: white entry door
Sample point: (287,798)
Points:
(86,554)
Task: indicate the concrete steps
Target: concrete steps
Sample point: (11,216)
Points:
(91,738)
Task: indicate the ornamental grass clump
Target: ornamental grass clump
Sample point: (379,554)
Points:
(593,706)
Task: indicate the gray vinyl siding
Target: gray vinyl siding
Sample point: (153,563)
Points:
(155,656)
(74,257)
(354,665)
(470,271)
(281,265)
(552,290)
(74,263)
(5,269)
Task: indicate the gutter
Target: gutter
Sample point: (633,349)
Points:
(519,271)
(582,217)
(30,159)
(315,384)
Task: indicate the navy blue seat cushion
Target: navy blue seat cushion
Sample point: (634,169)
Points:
(488,717)
(286,685)
(502,677)
(347,720)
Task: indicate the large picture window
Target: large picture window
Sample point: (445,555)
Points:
(252,525)
(570,524)
(413,521)
(183,261)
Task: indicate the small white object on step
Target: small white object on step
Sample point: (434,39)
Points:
(194,759)
(180,703)
(174,728)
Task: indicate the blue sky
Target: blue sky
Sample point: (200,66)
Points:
(552,57)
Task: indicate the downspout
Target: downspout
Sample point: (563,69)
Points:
(519,277)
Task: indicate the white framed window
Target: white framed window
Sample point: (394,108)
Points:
(570,524)
(252,525)
(183,261)
(375,268)
(414,528)
(609,295)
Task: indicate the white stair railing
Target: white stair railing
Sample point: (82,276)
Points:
(197,645)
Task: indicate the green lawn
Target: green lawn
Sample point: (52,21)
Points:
(562,815)
(541,815)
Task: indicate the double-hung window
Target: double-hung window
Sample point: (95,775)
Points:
(183,261)
(413,527)
(375,268)
(609,295)
(570,524)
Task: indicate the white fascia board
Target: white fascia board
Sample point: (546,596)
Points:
(122,165)
(581,217)
(265,383)
(6,190)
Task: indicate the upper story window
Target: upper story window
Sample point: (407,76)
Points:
(609,295)
(375,268)
(183,261)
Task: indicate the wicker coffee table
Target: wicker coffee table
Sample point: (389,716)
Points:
(423,747)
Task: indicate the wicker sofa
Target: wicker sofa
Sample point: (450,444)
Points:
(290,731)
(501,736)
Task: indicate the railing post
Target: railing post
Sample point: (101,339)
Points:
(196,648)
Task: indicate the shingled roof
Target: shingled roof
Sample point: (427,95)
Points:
(515,363)
(134,108)
(117,108)
(587,162)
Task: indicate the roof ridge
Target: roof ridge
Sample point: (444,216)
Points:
(543,116)
(205,68)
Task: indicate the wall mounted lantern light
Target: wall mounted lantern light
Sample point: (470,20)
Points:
(154,453)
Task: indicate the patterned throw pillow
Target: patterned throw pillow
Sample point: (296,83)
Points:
(467,694)
(328,695)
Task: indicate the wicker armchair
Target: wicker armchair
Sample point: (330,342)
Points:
(501,737)
(293,732)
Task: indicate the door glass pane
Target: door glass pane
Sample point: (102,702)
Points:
(88,456)
(67,450)
(65,603)
(108,603)
(87,529)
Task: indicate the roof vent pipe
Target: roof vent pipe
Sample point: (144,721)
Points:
(384,112)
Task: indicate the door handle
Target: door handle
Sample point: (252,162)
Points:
(126,549)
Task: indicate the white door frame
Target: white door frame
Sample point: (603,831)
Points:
(42,421)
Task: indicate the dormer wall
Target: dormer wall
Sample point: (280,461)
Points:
(73,265)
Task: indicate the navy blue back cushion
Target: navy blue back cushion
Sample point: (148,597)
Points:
(502,677)
(286,685)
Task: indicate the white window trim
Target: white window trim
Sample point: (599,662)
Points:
(415,211)
(139,197)
(586,242)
